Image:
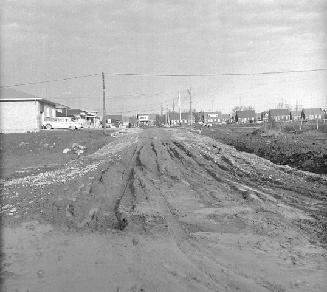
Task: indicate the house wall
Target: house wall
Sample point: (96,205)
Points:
(295,118)
(313,117)
(245,120)
(281,118)
(19,116)
(143,118)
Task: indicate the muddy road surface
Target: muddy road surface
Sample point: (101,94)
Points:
(165,210)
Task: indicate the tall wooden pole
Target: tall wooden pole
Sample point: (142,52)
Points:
(180,111)
(103,103)
(190,93)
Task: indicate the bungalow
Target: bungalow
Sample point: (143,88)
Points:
(174,118)
(212,117)
(247,116)
(92,119)
(279,114)
(21,112)
(146,119)
(312,114)
(295,115)
(79,115)
(114,119)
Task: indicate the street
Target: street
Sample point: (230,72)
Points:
(165,210)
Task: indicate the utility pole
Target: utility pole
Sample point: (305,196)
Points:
(103,103)
(173,116)
(180,111)
(190,94)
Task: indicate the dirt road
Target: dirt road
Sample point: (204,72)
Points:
(165,210)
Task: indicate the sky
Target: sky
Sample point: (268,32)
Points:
(46,40)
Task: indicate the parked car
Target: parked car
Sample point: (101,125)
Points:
(60,123)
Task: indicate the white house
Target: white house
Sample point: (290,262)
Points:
(21,112)
(146,119)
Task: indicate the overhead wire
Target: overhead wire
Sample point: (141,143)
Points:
(164,75)
(50,80)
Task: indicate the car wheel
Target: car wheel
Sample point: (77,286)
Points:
(48,127)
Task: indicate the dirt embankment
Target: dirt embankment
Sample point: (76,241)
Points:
(305,151)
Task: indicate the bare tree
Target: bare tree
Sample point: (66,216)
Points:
(243,108)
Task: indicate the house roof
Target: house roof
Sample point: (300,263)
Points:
(76,111)
(59,114)
(9,94)
(246,114)
(312,111)
(61,106)
(279,112)
(115,117)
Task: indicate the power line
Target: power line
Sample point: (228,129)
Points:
(166,75)
(219,74)
(50,80)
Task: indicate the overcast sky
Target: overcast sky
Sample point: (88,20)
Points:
(43,40)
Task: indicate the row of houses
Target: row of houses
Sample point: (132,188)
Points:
(21,112)
(246,116)
(280,115)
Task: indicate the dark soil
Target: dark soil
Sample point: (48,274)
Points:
(305,151)
(31,152)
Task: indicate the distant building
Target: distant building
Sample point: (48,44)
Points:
(225,118)
(21,112)
(62,110)
(295,115)
(212,117)
(174,118)
(312,114)
(265,116)
(146,119)
(247,116)
(114,119)
(78,115)
(279,115)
